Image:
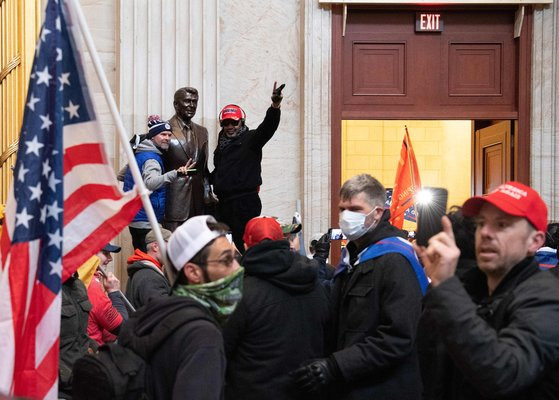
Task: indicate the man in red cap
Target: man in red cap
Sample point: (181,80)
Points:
(498,327)
(280,321)
(237,159)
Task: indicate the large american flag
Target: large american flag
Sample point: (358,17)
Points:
(64,206)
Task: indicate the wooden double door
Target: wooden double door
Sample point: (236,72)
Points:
(475,69)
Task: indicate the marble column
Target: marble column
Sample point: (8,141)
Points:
(545,106)
(260,42)
(165,45)
(317,42)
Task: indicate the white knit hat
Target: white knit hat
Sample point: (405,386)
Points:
(189,238)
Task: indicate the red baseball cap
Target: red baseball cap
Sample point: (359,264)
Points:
(260,228)
(231,111)
(513,198)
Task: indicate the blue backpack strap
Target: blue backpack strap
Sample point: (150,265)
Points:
(401,246)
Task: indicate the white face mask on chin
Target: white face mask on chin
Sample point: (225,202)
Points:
(353,223)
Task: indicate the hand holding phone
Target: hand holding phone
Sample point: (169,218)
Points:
(429,214)
(336,234)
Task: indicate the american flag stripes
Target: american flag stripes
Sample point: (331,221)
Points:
(64,206)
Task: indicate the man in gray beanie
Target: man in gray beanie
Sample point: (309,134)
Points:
(149,158)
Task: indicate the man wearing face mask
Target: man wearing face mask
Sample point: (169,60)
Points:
(237,159)
(376,304)
(206,286)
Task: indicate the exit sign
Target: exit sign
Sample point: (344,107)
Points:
(429,22)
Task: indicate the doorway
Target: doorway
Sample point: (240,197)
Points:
(466,157)
(474,70)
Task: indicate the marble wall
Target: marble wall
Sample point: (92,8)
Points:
(101,17)
(148,49)
(288,42)
(545,106)
(259,44)
(165,45)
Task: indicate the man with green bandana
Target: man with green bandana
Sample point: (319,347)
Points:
(206,287)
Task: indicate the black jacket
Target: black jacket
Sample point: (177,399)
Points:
(504,345)
(74,342)
(145,283)
(238,165)
(279,323)
(376,309)
(191,362)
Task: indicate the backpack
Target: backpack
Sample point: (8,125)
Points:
(136,140)
(115,372)
(119,372)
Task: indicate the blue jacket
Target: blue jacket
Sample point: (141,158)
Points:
(157,197)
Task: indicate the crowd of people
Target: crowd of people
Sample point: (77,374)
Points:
(474,314)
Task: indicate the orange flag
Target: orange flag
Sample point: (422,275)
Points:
(406,185)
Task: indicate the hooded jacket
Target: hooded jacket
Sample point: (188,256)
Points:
(146,280)
(190,364)
(279,323)
(376,307)
(149,159)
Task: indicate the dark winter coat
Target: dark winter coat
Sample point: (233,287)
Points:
(145,280)
(376,308)
(74,342)
(504,345)
(190,364)
(238,165)
(279,323)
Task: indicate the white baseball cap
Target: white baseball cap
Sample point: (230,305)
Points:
(189,238)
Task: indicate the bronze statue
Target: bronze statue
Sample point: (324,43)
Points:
(185,196)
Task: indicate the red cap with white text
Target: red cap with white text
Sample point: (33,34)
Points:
(512,198)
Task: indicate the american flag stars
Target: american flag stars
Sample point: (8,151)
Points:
(56,216)
(44,76)
(32,102)
(72,109)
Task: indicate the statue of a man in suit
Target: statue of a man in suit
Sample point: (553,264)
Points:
(185,196)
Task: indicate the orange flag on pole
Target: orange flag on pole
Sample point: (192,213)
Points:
(406,185)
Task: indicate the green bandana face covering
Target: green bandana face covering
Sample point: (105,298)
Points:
(220,296)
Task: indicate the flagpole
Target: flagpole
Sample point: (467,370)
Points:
(136,175)
(409,157)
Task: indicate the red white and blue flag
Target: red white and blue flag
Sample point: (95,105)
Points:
(64,206)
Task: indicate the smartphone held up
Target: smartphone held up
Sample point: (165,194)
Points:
(336,234)
(430,206)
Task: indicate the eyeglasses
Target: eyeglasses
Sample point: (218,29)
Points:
(226,261)
(227,122)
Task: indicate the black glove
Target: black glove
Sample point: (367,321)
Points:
(322,247)
(277,97)
(315,375)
